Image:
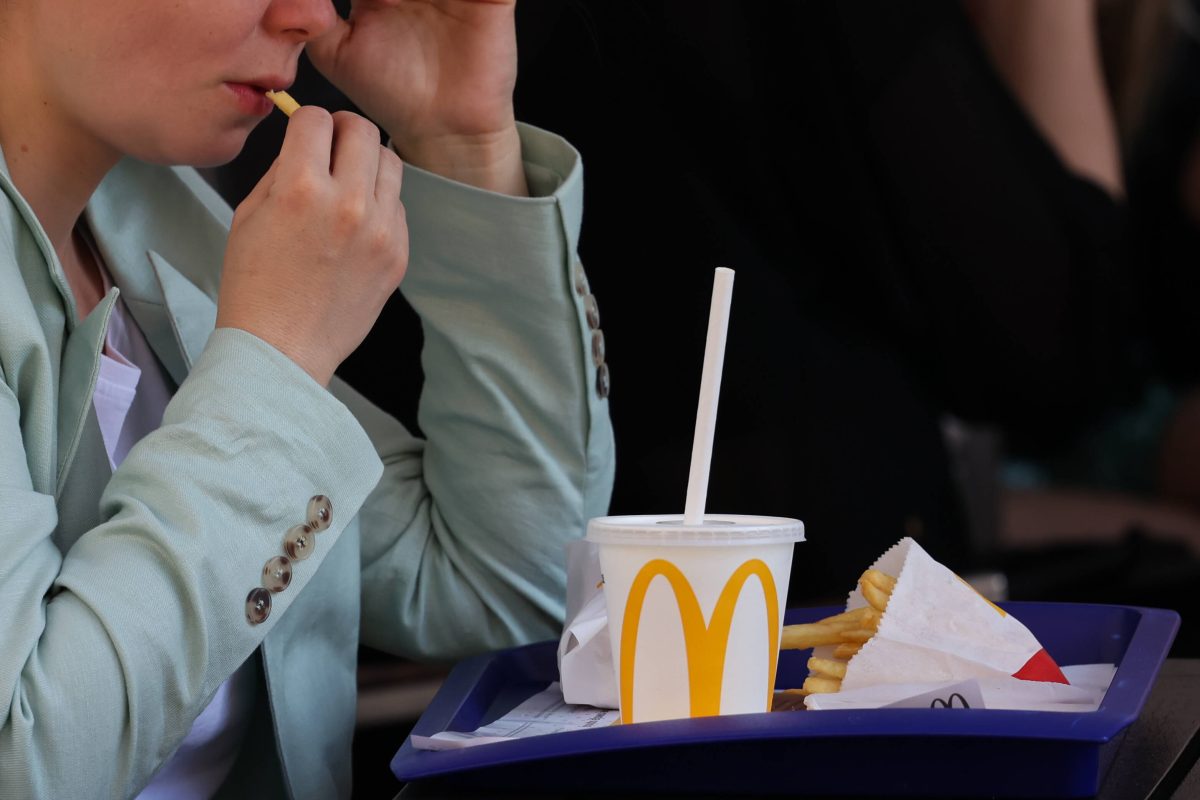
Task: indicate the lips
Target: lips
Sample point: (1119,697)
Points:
(249,94)
(266,83)
(249,99)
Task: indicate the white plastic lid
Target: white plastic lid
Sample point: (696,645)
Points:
(668,530)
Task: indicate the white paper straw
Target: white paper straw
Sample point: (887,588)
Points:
(710,391)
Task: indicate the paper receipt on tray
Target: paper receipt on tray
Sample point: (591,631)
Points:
(545,712)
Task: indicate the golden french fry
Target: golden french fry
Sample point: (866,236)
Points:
(858,636)
(880,580)
(856,615)
(822,685)
(814,634)
(846,651)
(284,102)
(827,666)
(874,595)
(865,618)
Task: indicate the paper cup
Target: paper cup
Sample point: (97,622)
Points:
(695,612)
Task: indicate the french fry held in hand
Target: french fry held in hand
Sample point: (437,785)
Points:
(848,631)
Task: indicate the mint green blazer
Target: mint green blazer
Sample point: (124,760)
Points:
(123,595)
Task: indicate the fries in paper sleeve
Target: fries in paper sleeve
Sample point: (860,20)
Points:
(911,620)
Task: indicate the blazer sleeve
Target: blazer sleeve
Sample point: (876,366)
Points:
(110,650)
(463,539)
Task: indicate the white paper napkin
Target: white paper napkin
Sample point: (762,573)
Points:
(585,662)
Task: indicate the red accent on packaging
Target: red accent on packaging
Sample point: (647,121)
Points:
(1041,667)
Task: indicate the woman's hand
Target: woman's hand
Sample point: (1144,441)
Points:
(438,75)
(319,245)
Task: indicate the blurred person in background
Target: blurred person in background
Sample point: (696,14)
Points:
(1120,503)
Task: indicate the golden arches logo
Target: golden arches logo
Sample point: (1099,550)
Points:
(704,644)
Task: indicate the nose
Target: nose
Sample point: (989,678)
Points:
(300,20)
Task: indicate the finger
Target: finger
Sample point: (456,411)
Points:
(306,144)
(391,173)
(323,50)
(356,152)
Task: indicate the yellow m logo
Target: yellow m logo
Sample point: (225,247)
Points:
(704,644)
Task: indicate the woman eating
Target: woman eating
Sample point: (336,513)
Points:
(198,517)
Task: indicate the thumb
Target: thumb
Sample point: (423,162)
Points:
(323,51)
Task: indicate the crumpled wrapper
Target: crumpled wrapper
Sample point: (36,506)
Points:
(936,630)
(585,660)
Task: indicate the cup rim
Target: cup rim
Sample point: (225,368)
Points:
(669,530)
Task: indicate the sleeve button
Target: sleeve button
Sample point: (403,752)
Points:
(581,281)
(602,380)
(320,513)
(258,605)
(298,542)
(598,346)
(277,574)
(592,310)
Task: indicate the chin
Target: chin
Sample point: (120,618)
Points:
(213,153)
(212,150)
(214,157)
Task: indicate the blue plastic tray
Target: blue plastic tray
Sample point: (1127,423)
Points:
(879,752)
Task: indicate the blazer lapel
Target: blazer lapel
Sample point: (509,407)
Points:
(176,319)
(77,381)
(193,314)
(166,219)
(80,488)
(159,231)
(172,313)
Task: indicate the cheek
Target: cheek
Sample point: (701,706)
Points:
(178,115)
(151,86)
(171,131)
(176,51)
